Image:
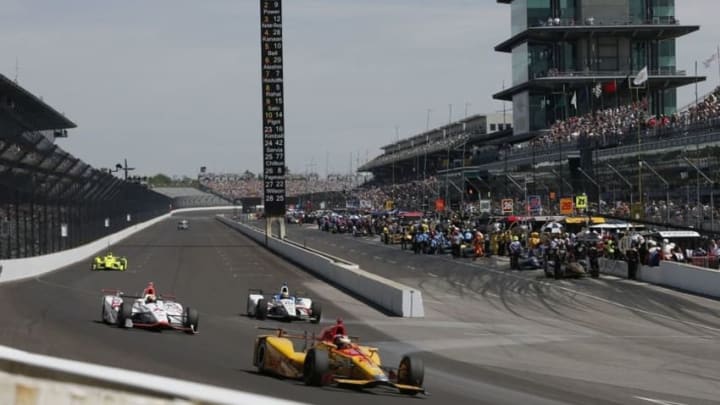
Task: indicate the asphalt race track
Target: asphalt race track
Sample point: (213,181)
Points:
(490,336)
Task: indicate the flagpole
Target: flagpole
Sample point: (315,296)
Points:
(718,61)
(696,82)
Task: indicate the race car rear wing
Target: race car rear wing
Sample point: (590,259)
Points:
(117,292)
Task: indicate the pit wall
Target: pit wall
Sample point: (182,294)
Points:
(681,276)
(393,297)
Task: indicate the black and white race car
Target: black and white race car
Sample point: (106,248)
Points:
(282,306)
(149,311)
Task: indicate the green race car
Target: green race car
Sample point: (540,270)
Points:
(110,262)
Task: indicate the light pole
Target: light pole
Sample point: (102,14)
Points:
(712,193)
(667,190)
(623,179)
(522,189)
(427,120)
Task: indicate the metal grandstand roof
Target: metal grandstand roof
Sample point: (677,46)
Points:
(35,113)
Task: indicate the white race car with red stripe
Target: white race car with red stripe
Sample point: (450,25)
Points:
(150,311)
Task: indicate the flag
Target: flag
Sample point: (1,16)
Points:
(641,77)
(707,62)
(610,87)
(573,100)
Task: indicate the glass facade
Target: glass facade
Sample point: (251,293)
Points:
(568,10)
(663,11)
(666,56)
(540,59)
(637,11)
(538,12)
(518,16)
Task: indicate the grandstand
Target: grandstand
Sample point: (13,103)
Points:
(49,199)
(185,197)
(592,141)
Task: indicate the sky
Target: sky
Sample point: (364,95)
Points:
(173,85)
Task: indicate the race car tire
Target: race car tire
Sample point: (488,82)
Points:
(315,367)
(260,357)
(102,315)
(316,310)
(192,319)
(411,372)
(261,309)
(125,312)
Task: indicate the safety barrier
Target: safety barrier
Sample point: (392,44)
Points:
(682,276)
(17,269)
(396,298)
(85,383)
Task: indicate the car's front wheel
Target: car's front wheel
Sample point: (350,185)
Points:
(192,318)
(411,372)
(260,356)
(316,312)
(261,309)
(124,314)
(316,366)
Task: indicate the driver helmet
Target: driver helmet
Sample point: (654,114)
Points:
(284,291)
(341,341)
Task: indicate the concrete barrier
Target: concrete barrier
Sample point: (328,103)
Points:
(682,276)
(17,269)
(396,298)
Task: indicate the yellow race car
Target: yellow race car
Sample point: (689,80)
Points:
(334,358)
(110,262)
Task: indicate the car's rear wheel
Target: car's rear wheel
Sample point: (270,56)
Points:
(411,372)
(261,309)
(192,319)
(316,311)
(315,367)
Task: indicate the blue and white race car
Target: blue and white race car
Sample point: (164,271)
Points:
(282,306)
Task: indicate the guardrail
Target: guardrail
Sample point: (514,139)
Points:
(396,298)
(85,383)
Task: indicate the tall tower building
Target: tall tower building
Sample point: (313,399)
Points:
(571,57)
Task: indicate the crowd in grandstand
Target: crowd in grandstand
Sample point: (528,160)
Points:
(248,186)
(628,119)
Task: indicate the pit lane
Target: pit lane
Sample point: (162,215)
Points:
(488,337)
